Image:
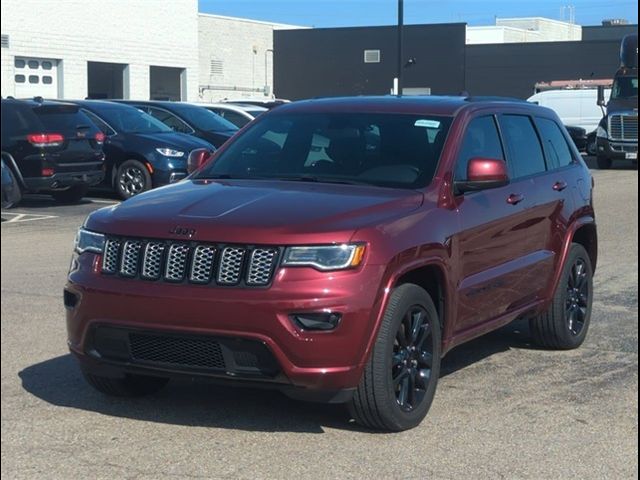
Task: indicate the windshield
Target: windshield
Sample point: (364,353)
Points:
(624,87)
(131,120)
(387,150)
(204,119)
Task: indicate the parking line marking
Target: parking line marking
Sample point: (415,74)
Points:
(106,202)
(26,217)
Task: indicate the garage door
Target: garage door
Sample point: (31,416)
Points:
(35,77)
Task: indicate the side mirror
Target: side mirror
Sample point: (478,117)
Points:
(197,158)
(483,174)
(601,101)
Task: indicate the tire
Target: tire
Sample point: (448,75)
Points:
(70,195)
(592,145)
(565,324)
(128,386)
(11,193)
(604,163)
(132,178)
(391,395)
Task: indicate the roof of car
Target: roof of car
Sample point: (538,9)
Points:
(99,104)
(433,104)
(35,102)
(232,106)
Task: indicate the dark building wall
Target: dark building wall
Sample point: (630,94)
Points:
(514,69)
(614,32)
(329,62)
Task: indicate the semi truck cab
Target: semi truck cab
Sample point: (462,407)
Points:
(617,133)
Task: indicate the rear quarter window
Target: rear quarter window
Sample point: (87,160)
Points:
(555,144)
(64,119)
(523,146)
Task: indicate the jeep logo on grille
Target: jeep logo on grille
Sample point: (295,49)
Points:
(183,231)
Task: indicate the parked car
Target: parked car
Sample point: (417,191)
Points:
(239,115)
(345,278)
(581,139)
(141,152)
(576,109)
(268,104)
(190,119)
(51,147)
(11,194)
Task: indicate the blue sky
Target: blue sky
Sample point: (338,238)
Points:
(339,13)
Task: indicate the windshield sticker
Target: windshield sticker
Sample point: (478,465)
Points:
(427,123)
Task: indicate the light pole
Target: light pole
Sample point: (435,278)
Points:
(400,46)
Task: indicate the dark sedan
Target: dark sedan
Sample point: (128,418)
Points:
(141,152)
(188,118)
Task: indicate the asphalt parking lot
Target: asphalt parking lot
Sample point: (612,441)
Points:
(504,409)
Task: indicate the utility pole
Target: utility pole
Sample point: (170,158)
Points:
(398,89)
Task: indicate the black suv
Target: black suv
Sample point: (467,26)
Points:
(191,119)
(51,147)
(141,152)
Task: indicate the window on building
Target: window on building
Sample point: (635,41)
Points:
(19,63)
(34,79)
(47,65)
(33,64)
(47,80)
(20,78)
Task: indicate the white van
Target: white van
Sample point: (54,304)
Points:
(576,108)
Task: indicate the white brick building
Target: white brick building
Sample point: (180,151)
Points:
(236,57)
(524,30)
(100,48)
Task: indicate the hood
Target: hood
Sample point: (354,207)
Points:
(249,211)
(179,141)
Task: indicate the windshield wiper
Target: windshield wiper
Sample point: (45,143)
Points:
(315,179)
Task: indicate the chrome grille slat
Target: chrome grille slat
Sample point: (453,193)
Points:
(111,255)
(152,260)
(261,266)
(623,127)
(230,267)
(196,263)
(176,265)
(202,264)
(130,258)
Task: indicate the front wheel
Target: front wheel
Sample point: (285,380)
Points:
(132,178)
(604,163)
(564,326)
(399,381)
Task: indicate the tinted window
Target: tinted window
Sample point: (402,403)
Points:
(99,123)
(64,119)
(18,119)
(480,140)
(525,153)
(555,145)
(128,119)
(237,119)
(170,120)
(203,119)
(387,150)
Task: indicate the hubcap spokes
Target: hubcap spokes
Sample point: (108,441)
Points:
(577,301)
(132,180)
(412,358)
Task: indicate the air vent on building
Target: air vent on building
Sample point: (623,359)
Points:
(217,67)
(372,56)
(5,41)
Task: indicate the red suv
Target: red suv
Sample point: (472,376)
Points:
(336,249)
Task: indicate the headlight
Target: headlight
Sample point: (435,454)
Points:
(170,152)
(330,257)
(87,241)
(601,132)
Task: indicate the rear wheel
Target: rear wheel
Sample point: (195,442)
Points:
(592,145)
(564,326)
(128,386)
(132,178)
(399,381)
(604,163)
(70,195)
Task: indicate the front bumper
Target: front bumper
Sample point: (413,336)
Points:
(617,150)
(315,365)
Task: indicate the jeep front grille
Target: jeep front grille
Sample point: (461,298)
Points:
(623,127)
(198,263)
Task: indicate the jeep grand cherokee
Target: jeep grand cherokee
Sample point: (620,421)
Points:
(337,249)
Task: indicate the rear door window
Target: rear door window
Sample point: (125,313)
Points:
(555,144)
(170,120)
(523,146)
(481,140)
(98,122)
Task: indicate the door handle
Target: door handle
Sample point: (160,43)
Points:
(515,198)
(560,186)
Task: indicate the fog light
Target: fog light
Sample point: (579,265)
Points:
(317,320)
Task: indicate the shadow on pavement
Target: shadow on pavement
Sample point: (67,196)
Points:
(58,381)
